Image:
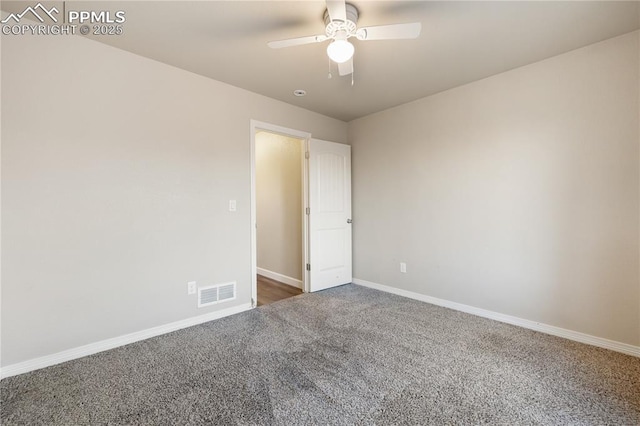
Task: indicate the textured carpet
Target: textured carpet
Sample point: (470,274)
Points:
(348,355)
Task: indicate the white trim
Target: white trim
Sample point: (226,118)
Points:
(305,217)
(532,325)
(92,348)
(252,212)
(281,278)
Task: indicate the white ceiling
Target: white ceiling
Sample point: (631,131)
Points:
(460,42)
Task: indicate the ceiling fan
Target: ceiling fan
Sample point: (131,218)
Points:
(341,21)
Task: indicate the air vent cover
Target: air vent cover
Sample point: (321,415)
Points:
(213,294)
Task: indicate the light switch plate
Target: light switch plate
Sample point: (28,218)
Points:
(232,205)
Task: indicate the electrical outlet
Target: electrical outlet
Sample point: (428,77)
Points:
(403,267)
(191,287)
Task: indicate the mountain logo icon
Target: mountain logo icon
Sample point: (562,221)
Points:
(33,11)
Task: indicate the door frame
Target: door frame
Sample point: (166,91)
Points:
(256,126)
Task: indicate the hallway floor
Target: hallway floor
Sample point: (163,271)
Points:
(270,291)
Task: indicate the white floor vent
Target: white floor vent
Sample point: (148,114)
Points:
(213,294)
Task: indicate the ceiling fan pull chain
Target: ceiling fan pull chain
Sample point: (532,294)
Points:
(330,75)
(352,79)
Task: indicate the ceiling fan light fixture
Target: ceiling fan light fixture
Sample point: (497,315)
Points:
(341,23)
(340,51)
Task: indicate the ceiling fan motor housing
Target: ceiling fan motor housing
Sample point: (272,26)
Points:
(335,26)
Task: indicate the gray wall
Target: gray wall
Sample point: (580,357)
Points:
(516,194)
(116,176)
(279,202)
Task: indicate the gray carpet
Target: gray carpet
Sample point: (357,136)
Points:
(348,355)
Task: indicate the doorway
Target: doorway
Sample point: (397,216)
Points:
(325,212)
(279,208)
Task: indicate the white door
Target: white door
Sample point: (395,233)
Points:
(329,214)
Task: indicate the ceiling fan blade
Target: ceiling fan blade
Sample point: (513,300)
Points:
(337,10)
(296,41)
(346,68)
(390,32)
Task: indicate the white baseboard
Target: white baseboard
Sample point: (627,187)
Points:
(279,277)
(532,325)
(92,348)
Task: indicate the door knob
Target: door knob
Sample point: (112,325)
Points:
(349,221)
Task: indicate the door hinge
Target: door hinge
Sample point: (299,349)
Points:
(308,266)
(308,210)
(306,154)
